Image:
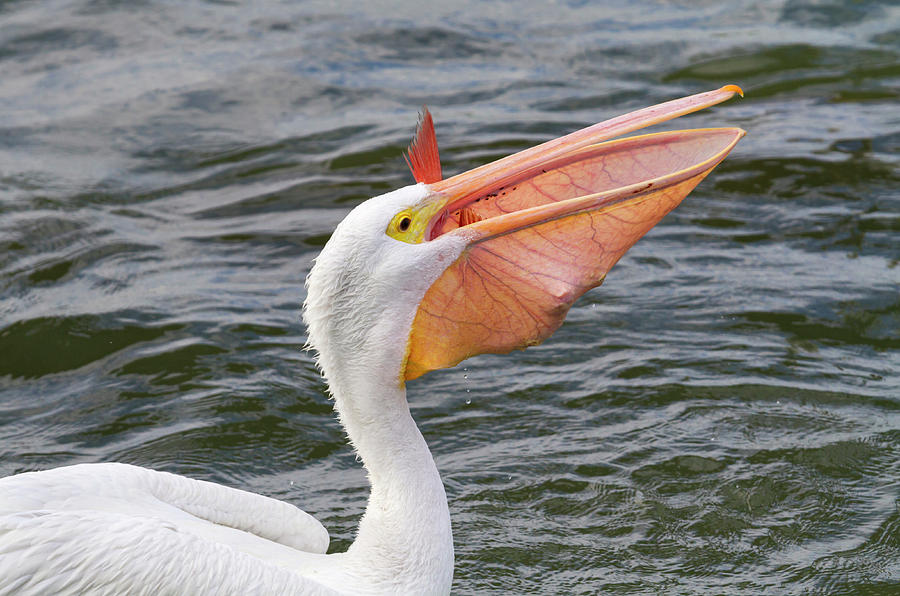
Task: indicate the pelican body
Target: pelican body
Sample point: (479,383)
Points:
(411,281)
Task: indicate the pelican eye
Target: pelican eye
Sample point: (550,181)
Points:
(410,225)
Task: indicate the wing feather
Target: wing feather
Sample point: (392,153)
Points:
(116,528)
(92,552)
(132,489)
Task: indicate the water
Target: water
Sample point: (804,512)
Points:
(722,416)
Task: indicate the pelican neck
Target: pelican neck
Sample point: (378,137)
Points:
(406,525)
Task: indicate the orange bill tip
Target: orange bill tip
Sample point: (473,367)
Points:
(733,89)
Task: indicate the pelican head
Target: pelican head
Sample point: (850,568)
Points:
(491,260)
(365,287)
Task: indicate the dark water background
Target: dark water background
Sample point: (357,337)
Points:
(722,416)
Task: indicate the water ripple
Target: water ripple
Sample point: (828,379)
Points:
(720,417)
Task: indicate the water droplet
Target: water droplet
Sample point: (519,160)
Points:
(468,402)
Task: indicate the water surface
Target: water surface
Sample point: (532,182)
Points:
(722,416)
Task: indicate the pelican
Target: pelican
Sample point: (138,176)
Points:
(414,280)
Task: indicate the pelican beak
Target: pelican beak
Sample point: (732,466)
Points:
(545,225)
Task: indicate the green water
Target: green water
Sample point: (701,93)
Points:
(721,417)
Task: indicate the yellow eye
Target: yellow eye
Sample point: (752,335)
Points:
(403,227)
(411,224)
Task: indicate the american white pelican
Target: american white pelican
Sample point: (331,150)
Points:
(411,281)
